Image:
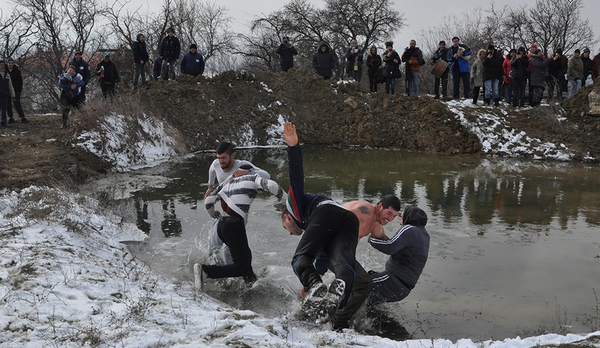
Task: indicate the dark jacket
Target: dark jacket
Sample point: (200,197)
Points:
(558,68)
(518,67)
(538,71)
(374,62)
(588,65)
(16,78)
(596,66)
(140,53)
(65,81)
(408,248)
(192,64)
(443,55)
(156,69)
(170,48)
(82,68)
(6,87)
(110,75)
(286,54)
(492,67)
(352,57)
(324,62)
(391,69)
(413,57)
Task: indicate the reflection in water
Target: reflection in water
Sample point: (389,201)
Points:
(507,237)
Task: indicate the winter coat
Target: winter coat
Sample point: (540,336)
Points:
(286,54)
(492,67)
(373,63)
(82,68)
(518,67)
(538,72)
(391,69)
(352,57)
(413,57)
(140,53)
(324,62)
(558,68)
(110,75)
(596,66)
(192,64)
(575,68)
(506,69)
(6,87)
(170,48)
(462,62)
(587,67)
(65,81)
(16,78)
(477,73)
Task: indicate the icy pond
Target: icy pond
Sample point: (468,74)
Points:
(515,245)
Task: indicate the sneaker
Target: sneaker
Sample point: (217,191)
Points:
(250,280)
(11,120)
(334,296)
(313,303)
(24,120)
(199,277)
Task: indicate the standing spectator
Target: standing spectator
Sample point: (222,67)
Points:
(538,74)
(17,82)
(6,91)
(441,53)
(532,48)
(413,57)
(492,73)
(373,64)
(588,65)
(286,52)
(392,67)
(556,73)
(140,58)
(192,62)
(109,76)
(169,52)
(574,73)
(477,74)
(354,61)
(459,59)
(157,67)
(82,68)
(324,61)
(518,75)
(507,80)
(70,83)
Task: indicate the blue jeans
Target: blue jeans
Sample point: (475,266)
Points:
(390,85)
(491,86)
(508,88)
(413,84)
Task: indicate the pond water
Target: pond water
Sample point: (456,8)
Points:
(515,245)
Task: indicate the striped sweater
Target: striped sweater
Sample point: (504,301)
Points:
(238,193)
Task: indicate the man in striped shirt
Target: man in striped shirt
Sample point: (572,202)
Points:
(236,195)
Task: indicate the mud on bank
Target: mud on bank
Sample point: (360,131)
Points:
(248,108)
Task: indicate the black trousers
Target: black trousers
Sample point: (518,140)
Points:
(18,106)
(334,230)
(232,231)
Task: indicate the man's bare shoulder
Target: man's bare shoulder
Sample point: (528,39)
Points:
(360,207)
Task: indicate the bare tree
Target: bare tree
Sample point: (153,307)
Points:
(17,32)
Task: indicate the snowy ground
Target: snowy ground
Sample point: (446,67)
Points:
(67,281)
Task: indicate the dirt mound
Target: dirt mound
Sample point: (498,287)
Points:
(248,109)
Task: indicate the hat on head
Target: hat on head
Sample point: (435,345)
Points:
(286,37)
(491,47)
(78,53)
(170,30)
(389,44)
(559,50)
(193,46)
(533,46)
(586,50)
(353,42)
(106,54)
(1,60)
(10,60)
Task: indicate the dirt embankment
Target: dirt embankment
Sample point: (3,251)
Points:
(230,106)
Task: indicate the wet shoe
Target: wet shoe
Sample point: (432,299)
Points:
(334,296)
(250,280)
(314,302)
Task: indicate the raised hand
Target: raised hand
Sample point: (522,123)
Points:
(289,134)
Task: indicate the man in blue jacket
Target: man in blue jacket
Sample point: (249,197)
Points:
(193,62)
(459,61)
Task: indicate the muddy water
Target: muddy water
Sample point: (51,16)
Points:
(515,246)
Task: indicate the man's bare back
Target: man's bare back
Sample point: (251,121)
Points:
(372,218)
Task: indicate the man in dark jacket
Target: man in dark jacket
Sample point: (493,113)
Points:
(492,74)
(408,250)
(82,68)
(324,61)
(556,74)
(441,53)
(169,52)
(6,91)
(286,52)
(518,75)
(192,62)
(588,65)
(108,76)
(413,57)
(17,82)
(140,58)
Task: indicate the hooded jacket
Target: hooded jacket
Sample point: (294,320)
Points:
(408,248)
(324,62)
(140,53)
(170,48)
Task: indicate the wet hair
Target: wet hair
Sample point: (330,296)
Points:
(246,167)
(225,148)
(390,201)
